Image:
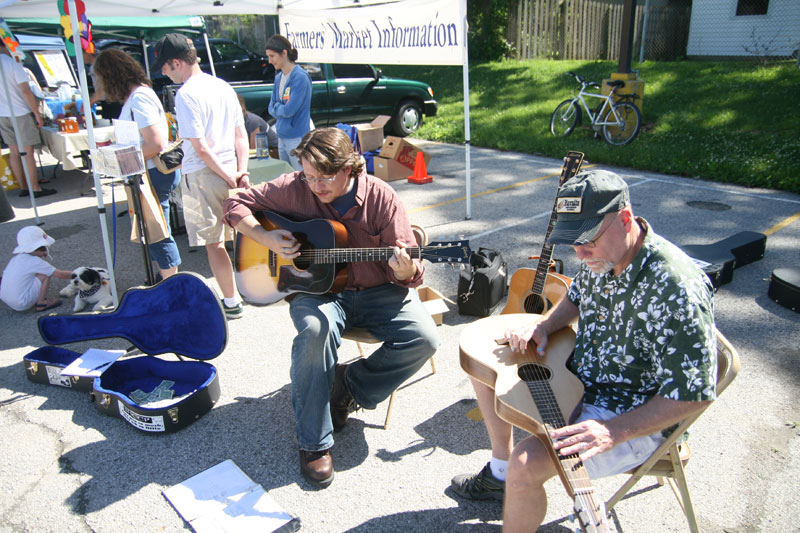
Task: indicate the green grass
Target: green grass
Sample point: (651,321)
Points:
(733,122)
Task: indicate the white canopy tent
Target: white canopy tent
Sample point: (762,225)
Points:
(145,8)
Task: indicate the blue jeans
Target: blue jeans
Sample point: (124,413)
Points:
(164,253)
(285,146)
(393,314)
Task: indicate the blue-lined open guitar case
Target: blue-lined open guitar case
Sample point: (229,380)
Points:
(180,315)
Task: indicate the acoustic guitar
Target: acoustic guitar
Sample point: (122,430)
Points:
(264,277)
(536,291)
(537,394)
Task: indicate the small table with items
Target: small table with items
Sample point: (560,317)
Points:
(64,146)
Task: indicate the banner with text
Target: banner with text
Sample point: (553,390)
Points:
(410,32)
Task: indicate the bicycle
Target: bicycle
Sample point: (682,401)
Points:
(620,120)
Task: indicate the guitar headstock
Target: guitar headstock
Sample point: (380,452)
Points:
(592,515)
(446,252)
(572,164)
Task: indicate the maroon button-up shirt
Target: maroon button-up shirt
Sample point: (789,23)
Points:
(378,220)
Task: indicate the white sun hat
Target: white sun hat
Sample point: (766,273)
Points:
(31,238)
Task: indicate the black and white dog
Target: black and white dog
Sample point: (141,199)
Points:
(89,286)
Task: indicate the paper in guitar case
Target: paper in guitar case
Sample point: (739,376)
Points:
(181,315)
(482,287)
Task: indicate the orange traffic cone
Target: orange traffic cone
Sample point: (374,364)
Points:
(420,175)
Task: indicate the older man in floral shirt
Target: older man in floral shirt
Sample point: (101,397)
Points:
(645,349)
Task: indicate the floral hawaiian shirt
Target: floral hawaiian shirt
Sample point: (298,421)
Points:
(647,332)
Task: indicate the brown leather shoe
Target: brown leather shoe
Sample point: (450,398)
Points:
(317,467)
(342,402)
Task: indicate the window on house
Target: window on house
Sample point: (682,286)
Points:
(751,7)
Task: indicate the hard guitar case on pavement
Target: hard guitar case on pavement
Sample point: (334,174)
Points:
(180,315)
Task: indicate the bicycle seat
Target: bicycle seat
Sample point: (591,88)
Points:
(616,83)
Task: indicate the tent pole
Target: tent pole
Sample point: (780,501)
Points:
(87,115)
(208,50)
(144,56)
(19,144)
(466,121)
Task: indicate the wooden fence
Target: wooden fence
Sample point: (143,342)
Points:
(570,29)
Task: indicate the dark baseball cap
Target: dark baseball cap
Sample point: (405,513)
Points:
(582,203)
(171,46)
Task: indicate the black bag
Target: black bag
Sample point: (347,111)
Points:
(482,286)
(170,158)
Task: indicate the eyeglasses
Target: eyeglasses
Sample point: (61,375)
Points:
(314,181)
(593,243)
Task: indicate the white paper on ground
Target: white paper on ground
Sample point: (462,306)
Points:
(92,363)
(225,499)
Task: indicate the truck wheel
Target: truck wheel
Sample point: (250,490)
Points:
(407,119)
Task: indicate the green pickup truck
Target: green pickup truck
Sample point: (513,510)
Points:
(346,93)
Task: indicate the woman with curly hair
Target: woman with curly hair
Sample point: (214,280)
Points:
(123,79)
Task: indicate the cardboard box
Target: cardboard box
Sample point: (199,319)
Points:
(370,136)
(433,301)
(403,152)
(389,169)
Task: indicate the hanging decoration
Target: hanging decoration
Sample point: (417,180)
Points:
(10,41)
(84,26)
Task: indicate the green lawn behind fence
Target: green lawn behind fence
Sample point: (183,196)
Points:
(732,122)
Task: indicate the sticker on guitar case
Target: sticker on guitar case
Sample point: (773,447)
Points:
(55,378)
(145,423)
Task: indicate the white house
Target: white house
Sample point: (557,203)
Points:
(729,28)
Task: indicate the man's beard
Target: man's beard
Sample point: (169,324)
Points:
(599,267)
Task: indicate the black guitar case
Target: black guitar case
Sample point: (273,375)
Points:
(180,315)
(784,287)
(724,256)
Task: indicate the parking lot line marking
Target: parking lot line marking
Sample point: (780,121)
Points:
(782,224)
(490,191)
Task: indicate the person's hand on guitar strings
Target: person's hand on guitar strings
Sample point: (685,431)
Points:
(587,439)
(282,242)
(518,339)
(402,264)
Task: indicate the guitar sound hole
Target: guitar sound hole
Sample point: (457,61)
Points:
(535,304)
(533,372)
(302,262)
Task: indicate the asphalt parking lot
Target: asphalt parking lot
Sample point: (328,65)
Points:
(68,468)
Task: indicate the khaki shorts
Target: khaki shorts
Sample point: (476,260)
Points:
(622,457)
(203,193)
(28,131)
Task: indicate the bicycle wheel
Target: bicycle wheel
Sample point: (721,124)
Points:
(564,119)
(628,127)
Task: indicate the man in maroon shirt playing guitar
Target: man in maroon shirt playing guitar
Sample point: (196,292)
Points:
(378,295)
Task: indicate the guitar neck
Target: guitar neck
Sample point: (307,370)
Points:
(357,255)
(549,410)
(572,164)
(590,512)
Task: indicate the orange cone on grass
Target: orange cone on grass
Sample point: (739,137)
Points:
(420,172)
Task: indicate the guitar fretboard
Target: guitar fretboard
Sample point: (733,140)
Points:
(355,255)
(572,164)
(577,483)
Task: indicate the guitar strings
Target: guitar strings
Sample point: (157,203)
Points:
(536,377)
(334,254)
